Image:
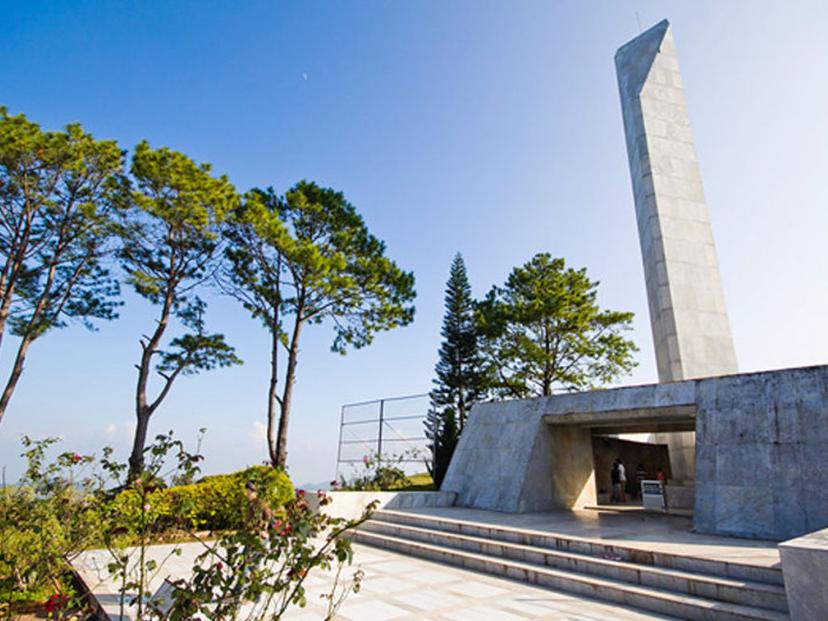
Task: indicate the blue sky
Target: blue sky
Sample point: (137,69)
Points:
(493,129)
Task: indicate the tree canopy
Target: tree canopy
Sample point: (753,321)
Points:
(306,258)
(171,244)
(543,331)
(58,192)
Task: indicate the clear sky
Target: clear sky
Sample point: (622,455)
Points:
(489,128)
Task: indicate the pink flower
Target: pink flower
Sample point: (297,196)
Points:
(365,460)
(147,507)
(77,457)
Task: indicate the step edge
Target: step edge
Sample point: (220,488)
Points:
(680,599)
(575,538)
(774,589)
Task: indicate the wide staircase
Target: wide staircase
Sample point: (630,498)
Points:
(678,586)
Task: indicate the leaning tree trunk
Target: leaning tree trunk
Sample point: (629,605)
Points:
(273,399)
(14,376)
(136,458)
(287,396)
(29,334)
(144,409)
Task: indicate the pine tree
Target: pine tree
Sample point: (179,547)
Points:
(460,382)
(441,429)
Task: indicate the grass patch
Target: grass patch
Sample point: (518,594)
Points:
(417,483)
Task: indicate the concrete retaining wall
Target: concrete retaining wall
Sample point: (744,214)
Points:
(350,505)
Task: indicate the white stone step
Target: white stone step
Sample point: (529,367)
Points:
(587,547)
(647,598)
(718,588)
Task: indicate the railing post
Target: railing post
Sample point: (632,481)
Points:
(339,445)
(379,435)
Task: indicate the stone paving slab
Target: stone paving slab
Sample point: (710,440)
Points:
(399,588)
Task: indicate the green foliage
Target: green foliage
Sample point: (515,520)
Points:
(443,435)
(215,502)
(171,226)
(422,482)
(170,236)
(377,475)
(543,330)
(261,574)
(170,245)
(58,193)
(309,256)
(262,565)
(45,521)
(460,380)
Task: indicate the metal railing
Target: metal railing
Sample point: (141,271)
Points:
(389,429)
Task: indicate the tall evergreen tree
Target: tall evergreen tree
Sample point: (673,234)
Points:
(460,382)
(442,432)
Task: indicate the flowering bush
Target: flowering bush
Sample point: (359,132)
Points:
(254,571)
(45,521)
(256,575)
(377,475)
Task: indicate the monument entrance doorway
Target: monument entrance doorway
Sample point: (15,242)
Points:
(584,445)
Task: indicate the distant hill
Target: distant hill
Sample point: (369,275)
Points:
(312,487)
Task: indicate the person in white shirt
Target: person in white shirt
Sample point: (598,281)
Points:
(622,479)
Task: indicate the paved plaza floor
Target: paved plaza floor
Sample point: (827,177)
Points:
(399,588)
(407,589)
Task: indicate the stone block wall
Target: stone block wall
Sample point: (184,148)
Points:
(762,453)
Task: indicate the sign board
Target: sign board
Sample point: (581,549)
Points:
(652,494)
(163,599)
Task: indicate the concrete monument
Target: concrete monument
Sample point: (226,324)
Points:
(761,458)
(687,308)
(691,332)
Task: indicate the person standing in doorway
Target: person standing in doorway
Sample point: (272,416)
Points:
(622,480)
(616,481)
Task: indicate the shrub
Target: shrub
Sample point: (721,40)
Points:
(251,573)
(45,521)
(215,502)
(377,475)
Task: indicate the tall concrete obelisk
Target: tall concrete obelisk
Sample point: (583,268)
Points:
(690,327)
